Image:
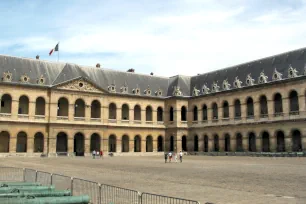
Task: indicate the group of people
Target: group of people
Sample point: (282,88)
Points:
(97,154)
(170,155)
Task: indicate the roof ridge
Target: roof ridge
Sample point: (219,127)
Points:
(249,62)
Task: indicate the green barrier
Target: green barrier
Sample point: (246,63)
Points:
(15,189)
(37,194)
(47,200)
(6,184)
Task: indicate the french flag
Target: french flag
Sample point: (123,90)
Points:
(54,49)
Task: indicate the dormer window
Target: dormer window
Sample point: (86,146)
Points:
(249,80)
(237,83)
(159,92)
(262,78)
(292,72)
(124,89)
(112,88)
(215,87)
(41,80)
(136,91)
(226,85)
(147,91)
(276,75)
(195,91)
(7,76)
(205,89)
(177,91)
(24,79)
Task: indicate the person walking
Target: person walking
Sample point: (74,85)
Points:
(101,154)
(98,153)
(166,157)
(181,156)
(170,157)
(93,154)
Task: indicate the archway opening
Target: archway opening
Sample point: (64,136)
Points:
(160,144)
(205,143)
(294,102)
(79,144)
(250,108)
(184,143)
(21,142)
(196,143)
(79,108)
(112,143)
(23,105)
(95,109)
(125,143)
(40,106)
(225,109)
(171,114)
(195,113)
(296,141)
(39,142)
(137,112)
(263,107)
(227,143)
(137,143)
(148,113)
(280,137)
(239,147)
(4,141)
(149,144)
(6,104)
(278,104)
(125,112)
(216,143)
(62,107)
(183,113)
(215,111)
(265,142)
(204,112)
(112,111)
(252,142)
(95,142)
(237,109)
(171,143)
(159,114)
(61,142)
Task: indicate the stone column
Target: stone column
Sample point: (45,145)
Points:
(155,143)
(131,115)
(244,110)
(302,105)
(52,144)
(70,145)
(221,144)
(233,143)
(303,142)
(32,107)
(190,143)
(271,109)
(87,112)
(200,114)
(288,143)
(105,144)
(87,146)
(258,143)
(231,111)
(15,104)
(13,144)
(154,116)
(210,144)
(201,143)
(118,114)
(131,144)
(273,143)
(220,112)
(143,144)
(143,116)
(286,108)
(209,115)
(30,144)
(256,110)
(71,112)
(245,143)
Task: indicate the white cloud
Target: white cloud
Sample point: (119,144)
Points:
(185,39)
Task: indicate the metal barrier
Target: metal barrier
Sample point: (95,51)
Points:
(99,193)
(113,194)
(61,182)
(30,175)
(148,198)
(90,188)
(43,178)
(11,174)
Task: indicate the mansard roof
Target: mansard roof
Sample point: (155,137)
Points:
(55,73)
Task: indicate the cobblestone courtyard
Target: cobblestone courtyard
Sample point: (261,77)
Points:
(206,179)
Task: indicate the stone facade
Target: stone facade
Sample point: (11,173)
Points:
(78,117)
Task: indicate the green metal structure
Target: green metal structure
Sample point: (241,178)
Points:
(34,193)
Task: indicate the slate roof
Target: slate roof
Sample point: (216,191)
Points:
(57,73)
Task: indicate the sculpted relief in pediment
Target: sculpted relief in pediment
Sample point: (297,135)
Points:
(79,85)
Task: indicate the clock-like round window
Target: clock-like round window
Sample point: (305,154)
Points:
(81,85)
(25,79)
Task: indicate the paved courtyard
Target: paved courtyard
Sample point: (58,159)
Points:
(236,180)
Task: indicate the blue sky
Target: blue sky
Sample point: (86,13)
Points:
(167,37)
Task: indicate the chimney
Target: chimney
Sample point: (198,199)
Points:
(98,65)
(152,73)
(131,70)
(37,57)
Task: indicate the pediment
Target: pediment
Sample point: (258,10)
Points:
(79,85)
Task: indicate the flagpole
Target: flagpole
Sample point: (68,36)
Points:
(58,52)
